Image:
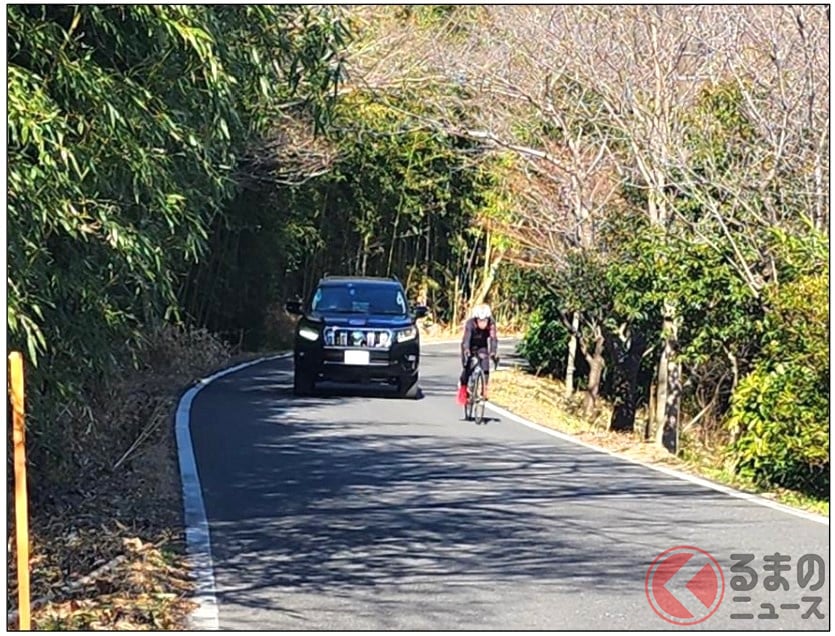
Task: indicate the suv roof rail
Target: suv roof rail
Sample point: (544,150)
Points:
(394,277)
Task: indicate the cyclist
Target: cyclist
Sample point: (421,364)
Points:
(480,340)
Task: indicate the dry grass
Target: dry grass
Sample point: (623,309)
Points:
(145,587)
(279,326)
(542,400)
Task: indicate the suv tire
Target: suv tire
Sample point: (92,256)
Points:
(407,386)
(303,382)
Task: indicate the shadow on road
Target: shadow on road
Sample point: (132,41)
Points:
(308,503)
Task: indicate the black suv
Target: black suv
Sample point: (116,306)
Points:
(357,329)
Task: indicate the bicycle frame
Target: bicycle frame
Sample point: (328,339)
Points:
(474,407)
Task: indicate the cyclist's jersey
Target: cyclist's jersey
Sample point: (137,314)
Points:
(475,338)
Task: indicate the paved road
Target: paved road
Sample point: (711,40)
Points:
(353,511)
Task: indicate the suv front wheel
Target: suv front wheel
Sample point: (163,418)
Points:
(303,382)
(407,386)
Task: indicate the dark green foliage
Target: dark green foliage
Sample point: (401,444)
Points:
(515,297)
(398,200)
(545,344)
(125,125)
(717,312)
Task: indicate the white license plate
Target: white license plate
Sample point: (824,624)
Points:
(356,357)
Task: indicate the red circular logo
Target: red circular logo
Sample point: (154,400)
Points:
(685,585)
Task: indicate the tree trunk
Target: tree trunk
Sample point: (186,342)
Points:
(455,303)
(669,438)
(427,256)
(669,385)
(487,256)
(628,351)
(484,288)
(660,394)
(572,355)
(596,367)
(393,242)
(365,242)
(649,422)
(734,369)
(818,219)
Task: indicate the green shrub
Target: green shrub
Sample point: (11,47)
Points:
(780,411)
(782,414)
(545,344)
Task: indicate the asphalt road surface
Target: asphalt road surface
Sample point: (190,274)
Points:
(355,510)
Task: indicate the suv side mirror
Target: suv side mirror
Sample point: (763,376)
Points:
(420,311)
(294,307)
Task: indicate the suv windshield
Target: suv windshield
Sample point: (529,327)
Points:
(357,298)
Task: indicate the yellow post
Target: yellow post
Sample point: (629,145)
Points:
(20,497)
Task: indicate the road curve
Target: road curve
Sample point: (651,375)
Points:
(354,510)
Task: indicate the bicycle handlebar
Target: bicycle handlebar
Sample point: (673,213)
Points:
(494,357)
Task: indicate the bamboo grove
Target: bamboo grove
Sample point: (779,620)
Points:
(652,206)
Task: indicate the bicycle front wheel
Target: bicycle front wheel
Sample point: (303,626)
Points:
(478,398)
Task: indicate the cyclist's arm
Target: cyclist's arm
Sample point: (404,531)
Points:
(494,339)
(465,341)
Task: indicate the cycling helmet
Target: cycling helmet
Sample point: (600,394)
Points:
(482,312)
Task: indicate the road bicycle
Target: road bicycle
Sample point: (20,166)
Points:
(474,406)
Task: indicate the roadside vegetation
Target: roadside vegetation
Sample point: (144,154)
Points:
(650,209)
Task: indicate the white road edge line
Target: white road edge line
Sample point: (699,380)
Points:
(756,499)
(198,541)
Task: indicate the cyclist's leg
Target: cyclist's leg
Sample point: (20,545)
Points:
(472,362)
(464,380)
(484,361)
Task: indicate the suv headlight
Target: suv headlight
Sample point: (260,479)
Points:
(405,335)
(308,334)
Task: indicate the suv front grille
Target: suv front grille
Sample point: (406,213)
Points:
(363,338)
